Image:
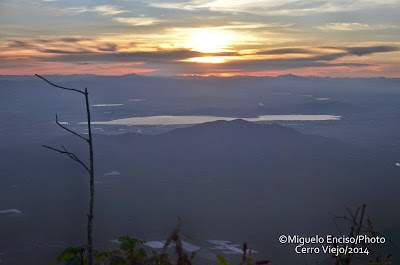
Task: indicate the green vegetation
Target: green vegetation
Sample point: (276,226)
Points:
(130,251)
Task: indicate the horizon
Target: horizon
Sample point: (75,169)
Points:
(204,76)
(201,38)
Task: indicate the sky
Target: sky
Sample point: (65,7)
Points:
(338,38)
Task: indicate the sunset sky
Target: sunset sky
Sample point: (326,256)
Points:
(340,38)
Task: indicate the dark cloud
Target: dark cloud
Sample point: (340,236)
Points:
(222,54)
(320,60)
(328,57)
(57,51)
(63,39)
(20,44)
(370,50)
(157,56)
(40,41)
(246,65)
(285,51)
(171,60)
(108,47)
(69,45)
(69,41)
(314,58)
(73,39)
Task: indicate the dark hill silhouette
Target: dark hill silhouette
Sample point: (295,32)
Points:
(235,124)
(240,146)
(260,160)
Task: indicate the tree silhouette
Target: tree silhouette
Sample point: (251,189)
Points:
(89,169)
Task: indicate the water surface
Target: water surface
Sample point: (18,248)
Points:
(181,120)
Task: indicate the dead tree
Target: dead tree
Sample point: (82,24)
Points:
(358,228)
(89,169)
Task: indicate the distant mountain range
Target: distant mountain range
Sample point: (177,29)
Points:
(368,106)
(133,75)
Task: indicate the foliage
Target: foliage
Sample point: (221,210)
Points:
(174,239)
(130,251)
(247,259)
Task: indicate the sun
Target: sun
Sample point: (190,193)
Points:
(209,41)
(208,59)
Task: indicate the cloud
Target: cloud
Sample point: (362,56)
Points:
(34,42)
(353,27)
(329,56)
(102,10)
(58,51)
(272,7)
(73,39)
(258,32)
(254,65)
(149,57)
(282,58)
(137,21)
(77,10)
(97,52)
(237,25)
(108,10)
(360,51)
(63,45)
(20,44)
(216,5)
(286,51)
(108,47)
(245,66)
(325,54)
(310,57)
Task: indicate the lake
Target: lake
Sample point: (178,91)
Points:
(181,120)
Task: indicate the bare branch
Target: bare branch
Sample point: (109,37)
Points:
(361,219)
(71,131)
(367,229)
(71,155)
(75,158)
(351,220)
(66,88)
(337,226)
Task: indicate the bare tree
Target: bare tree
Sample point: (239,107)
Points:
(357,228)
(89,169)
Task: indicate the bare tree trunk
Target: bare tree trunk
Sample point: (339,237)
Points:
(89,169)
(91,173)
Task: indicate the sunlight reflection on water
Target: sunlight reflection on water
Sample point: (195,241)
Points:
(178,120)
